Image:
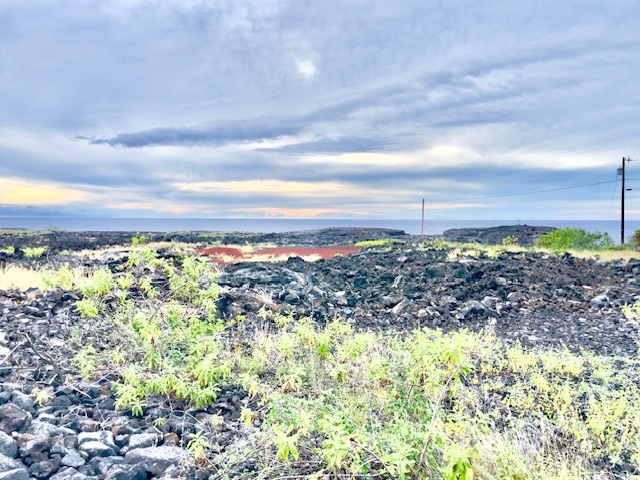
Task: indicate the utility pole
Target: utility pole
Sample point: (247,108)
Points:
(622,172)
(422,227)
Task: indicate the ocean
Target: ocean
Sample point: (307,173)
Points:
(431,227)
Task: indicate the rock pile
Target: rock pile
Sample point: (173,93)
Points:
(77,433)
(537,299)
(55,426)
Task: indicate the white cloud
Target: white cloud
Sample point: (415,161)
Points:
(306,68)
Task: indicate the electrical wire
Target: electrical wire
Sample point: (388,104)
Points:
(538,191)
(615,189)
(533,193)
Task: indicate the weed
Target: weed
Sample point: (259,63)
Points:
(147,288)
(87,307)
(631,311)
(63,278)
(10,250)
(99,284)
(198,444)
(34,252)
(510,241)
(85,360)
(138,240)
(436,244)
(41,395)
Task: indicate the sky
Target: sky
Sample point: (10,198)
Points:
(319,109)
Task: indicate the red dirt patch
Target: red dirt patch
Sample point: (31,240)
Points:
(226,255)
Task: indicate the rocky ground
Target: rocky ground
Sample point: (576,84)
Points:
(55,426)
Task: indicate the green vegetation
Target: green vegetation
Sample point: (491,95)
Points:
(138,240)
(383,242)
(328,400)
(34,252)
(9,250)
(574,239)
(631,311)
(636,238)
(510,241)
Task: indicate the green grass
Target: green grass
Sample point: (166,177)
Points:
(383,242)
(34,252)
(329,400)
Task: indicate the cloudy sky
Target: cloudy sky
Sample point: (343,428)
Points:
(330,109)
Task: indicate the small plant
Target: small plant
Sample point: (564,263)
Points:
(636,238)
(87,307)
(10,250)
(85,360)
(147,288)
(138,240)
(41,395)
(125,282)
(216,422)
(458,460)
(510,241)
(63,277)
(198,444)
(631,311)
(99,284)
(34,252)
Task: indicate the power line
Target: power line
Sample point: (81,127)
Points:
(537,191)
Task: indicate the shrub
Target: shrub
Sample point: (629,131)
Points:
(510,241)
(34,252)
(574,239)
(138,240)
(636,238)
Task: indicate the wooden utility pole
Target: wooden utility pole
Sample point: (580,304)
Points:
(422,227)
(622,170)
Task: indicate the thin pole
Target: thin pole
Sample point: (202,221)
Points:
(422,228)
(622,207)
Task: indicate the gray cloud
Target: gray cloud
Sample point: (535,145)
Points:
(189,136)
(530,81)
(335,146)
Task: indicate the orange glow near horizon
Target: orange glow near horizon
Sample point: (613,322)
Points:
(20,192)
(299,212)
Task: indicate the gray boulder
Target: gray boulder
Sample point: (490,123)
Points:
(25,402)
(156,459)
(8,446)
(73,459)
(71,474)
(93,449)
(7,464)
(15,474)
(102,436)
(143,440)
(44,468)
(13,418)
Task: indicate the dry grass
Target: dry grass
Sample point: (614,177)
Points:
(226,259)
(609,255)
(99,253)
(20,278)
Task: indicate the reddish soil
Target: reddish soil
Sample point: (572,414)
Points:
(225,255)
